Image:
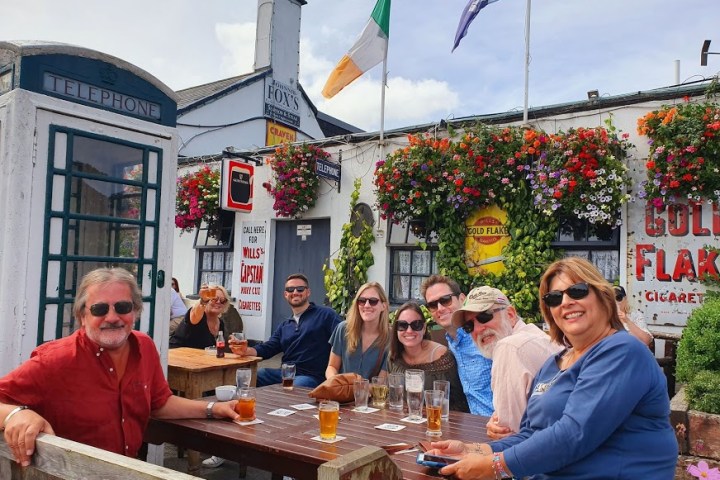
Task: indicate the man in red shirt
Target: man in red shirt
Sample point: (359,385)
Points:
(100,385)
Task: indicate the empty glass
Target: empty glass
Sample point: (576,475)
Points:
(243,377)
(444,385)
(414,386)
(396,387)
(361,389)
(288,375)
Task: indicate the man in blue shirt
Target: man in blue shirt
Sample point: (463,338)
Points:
(442,298)
(303,338)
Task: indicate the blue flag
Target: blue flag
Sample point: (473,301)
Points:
(468,15)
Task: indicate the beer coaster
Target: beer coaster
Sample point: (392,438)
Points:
(365,409)
(252,422)
(337,439)
(391,427)
(281,412)
(412,420)
(304,406)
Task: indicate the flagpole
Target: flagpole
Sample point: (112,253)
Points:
(383,82)
(527,61)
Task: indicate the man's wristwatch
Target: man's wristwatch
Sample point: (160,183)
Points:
(208,410)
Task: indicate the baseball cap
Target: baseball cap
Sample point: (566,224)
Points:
(478,300)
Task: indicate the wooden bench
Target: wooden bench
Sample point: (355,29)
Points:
(57,458)
(367,463)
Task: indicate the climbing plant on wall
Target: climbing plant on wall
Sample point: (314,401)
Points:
(352,262)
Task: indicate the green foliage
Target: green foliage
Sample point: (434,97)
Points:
(699,348)
(703,391)
(352,263)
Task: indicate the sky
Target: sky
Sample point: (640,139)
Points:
(613,46)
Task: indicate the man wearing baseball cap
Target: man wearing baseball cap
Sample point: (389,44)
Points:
(517,350)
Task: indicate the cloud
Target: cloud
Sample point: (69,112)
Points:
(238,40)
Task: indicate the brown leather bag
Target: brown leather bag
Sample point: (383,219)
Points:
(338,388)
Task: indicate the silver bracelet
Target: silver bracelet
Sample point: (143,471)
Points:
(13,412)
(208,410)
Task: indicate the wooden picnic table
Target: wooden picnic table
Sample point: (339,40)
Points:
(283,445)
(191,372)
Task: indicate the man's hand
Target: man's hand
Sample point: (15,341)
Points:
(496,431)
(20,434)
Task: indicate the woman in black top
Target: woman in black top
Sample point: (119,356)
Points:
(202,322)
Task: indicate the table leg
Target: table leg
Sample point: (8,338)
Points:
(193,456)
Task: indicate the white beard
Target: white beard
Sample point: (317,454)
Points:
(503,330)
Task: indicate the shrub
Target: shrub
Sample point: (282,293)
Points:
(703,391)
(698,356)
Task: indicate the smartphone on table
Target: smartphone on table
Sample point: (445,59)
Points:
(434,461)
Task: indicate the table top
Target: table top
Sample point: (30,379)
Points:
(283,445)
(195,359)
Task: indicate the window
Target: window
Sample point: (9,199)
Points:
(410,264)
(215,250)
(598,244)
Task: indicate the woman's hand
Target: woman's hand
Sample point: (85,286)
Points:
(448,448)
(475,466)
(496,431)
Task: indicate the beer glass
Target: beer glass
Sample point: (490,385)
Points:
(245,407)
(379,391)
(414,386)
(396,387)
(238,343)
(329,413)
(361,389)
(444,385)
(434,400)
(207,292)
(288,375)
(243,377)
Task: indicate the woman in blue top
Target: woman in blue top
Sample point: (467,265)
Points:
(360,343)
(597,410)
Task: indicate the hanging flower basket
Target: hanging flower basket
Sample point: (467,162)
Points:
(684,161)
(197,199)
(295,181)
(581,175)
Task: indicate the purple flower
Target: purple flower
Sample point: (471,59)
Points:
(703,470)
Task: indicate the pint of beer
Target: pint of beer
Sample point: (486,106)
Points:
(238,343)
(329,413)
(433,409)
(246,404)
(288,375)
(379,392)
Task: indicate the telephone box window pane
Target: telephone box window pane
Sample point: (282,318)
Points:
(91,238)
(95,197)
(60,153)
(108,159)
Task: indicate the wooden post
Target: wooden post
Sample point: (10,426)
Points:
(368,463)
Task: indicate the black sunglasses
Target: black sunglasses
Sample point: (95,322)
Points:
(554,298)
(415,325)
(217,300)
(445,301)
(620,294)
(482,318)
(102,309)
(292,289)
(372,301)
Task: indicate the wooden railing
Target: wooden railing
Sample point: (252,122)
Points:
(367,463)
(669,359)
(56,458)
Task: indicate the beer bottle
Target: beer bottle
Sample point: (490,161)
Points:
(220,345)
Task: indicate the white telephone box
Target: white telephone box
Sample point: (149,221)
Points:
(88,157)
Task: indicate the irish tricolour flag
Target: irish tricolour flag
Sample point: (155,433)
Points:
(368,51)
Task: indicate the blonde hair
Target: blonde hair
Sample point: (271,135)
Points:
(226,305)
(579,270)
(353,332)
